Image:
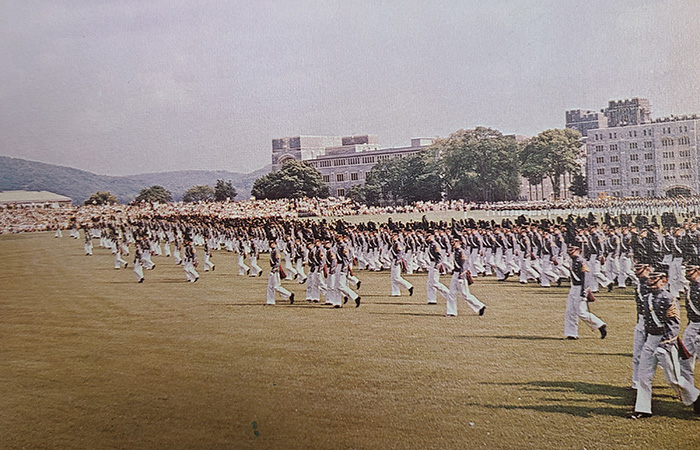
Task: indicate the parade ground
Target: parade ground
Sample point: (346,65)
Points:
(90,359)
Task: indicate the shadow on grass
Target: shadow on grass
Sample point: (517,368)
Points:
(626,355)
(523,338)
(408,314)
(620,398)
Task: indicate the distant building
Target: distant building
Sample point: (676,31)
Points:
(583,120)
(344,161)
(637,156)
(33,198)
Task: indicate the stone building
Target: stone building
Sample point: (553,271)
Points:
(637,156)
(344,161)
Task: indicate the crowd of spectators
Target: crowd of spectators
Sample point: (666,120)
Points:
(16,219)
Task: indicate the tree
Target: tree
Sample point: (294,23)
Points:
(295,179)
(201,193)
(101,198)
(154,194)
(411,179)
(552,153)
(480,165)
(579,185)
(224,190)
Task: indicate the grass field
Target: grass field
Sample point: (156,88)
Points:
(91,359)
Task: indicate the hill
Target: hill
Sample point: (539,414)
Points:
(21,174)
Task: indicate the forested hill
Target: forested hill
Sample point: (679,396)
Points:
(20,174)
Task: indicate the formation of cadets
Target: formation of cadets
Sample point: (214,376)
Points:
(660,260)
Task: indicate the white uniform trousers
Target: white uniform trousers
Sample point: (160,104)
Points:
(460,287)
(577,308)
(653,355)
(343,286)
(333,296)
(255,269)
(397,282)
(190,271)
(274,284)
(138,270)
(242,268)
(434,285)
(640,336)
(691,340)
(313,288)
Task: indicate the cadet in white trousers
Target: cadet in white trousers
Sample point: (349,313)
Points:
(459,285)
(576,302)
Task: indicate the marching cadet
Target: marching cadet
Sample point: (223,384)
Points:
(255,270)
(459,284)
(398,263)
(642,272)
(189,261)
(207,257)
(662,324)
(242,254)
(117,250)
(435,256)
(274,281)
(691,336)
(138,270)
(577,301)
(88,243)
(345,270)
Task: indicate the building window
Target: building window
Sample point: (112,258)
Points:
(341,192)
(648,156)
(353,161)
(666,142)
(684,153)
(613,147)
(633,145)
(600,160)
(326,178)
(339,177)
(601,182)
(615,170)
(615,182)
(600,171)
(648,144)
(599,148)
(325,163)
(634,157)
(685,140)
(648,168)
(635,180)
(634,169)
(353,176)
(649,180)
(614,158)
(684,165)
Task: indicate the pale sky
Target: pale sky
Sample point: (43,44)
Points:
(122,87)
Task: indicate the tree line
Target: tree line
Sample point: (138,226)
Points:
(480,165)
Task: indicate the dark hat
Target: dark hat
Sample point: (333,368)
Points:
(691,270)
(654,276)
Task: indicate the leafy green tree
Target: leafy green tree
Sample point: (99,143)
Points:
(295,179)
(154,194)
(411,179)
(224,190)
(552,153)
(101,198)
(202,193)
(579,185)
(480,165)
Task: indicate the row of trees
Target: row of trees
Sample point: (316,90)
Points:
(476,165)
(222,191)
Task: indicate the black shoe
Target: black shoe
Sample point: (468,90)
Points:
(213,268)
(359,283)
(603,331)
(572,338)
(357,305)
(696,406)
(482,310)
(336,306)
(303,281)
(141,280)
(291,298)
(410,291)
(345,300)
(610,287)
(638,415)
(195,280)
(559,282)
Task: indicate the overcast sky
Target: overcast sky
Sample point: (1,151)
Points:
(123,87)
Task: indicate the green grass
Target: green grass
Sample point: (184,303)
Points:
(91,359)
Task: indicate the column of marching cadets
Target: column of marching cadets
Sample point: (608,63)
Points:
(661,265)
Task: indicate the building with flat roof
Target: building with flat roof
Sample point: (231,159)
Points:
(643,157)
(345,161)
(33,198)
